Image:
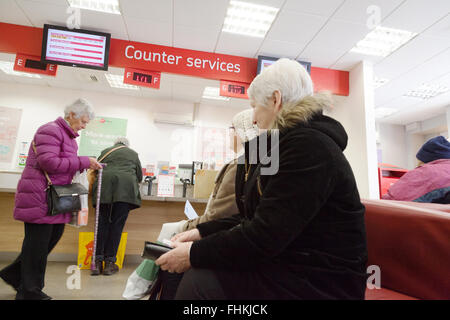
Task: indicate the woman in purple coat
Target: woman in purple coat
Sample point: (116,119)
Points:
(57,154)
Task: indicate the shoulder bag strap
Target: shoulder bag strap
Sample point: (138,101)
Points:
(109,152)
(49,182)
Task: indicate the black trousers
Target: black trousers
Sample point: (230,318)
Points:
(111,221)
(194,284)
(27,273)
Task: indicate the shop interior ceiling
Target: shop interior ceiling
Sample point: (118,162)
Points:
(320,31)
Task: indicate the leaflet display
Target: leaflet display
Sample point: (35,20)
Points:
(76,48)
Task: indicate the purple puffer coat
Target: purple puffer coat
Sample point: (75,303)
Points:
(57,154)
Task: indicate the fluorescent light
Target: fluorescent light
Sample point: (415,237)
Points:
(378,82)
(8,68)
(249,19)
(427,91)
(108,6)
(213,93)
(383,41)
(384,112)
(116,81)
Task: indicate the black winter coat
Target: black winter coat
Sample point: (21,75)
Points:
(302,234)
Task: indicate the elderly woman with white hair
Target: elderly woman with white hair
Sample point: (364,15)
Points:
(56,154)
(119,194)
(300,233)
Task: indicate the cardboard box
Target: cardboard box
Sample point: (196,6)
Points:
(204,183)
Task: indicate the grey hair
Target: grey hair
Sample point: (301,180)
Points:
(80,107)
(122,140)
(287,76)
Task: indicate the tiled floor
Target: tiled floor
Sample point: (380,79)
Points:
(91,288)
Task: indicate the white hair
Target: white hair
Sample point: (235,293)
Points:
(243,125)
(122,140)
(80,107)
(285,75)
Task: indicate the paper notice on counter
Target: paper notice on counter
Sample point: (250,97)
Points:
(189,211)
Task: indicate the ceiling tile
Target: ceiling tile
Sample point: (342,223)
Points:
(280,49)
(104,22)
(356,10)
(40,13)
(238,45)
(333,41)
(200,13)
(10,12)
(431,71)
(350,59)
(417,15)
(322,8)
(203,39)
(152,10)
(149,31)
(409,56)
(322,57)
(295,27)
(440,28)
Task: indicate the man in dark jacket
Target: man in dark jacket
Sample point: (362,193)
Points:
(300,232)
(119,194)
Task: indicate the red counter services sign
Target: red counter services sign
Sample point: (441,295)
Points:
(215,66)
(143,56)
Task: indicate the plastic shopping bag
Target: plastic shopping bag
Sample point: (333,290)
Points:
(86,246)
(140,281)
(170,229)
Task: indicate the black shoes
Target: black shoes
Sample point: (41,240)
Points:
(98,268)
(33,296)
(110,268)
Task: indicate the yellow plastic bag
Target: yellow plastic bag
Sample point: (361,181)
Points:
(86,245)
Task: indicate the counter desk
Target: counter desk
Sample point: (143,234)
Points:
(143,224)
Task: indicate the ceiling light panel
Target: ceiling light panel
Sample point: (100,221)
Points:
(108,6)
(427,91)
(249,19)
(116,81)
(8,68)
(383,41)
(213,93)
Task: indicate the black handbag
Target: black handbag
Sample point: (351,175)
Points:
(154,250)
(62,199)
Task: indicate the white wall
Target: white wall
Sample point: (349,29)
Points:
(152,141)
(392,142)
(356,114)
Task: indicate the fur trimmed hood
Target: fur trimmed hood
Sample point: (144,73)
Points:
(301,111)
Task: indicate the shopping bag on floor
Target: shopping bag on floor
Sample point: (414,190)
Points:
(86,246)
(140,281)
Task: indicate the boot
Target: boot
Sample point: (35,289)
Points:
(110,268)
(98,268)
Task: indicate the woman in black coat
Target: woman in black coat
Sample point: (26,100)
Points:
(299,232)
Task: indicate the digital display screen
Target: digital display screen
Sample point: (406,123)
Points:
(76,48)
(35,64)
(146,78)
(236,89)
(264,62)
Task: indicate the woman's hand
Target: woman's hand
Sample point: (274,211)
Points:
(94,164)
(177,259)
(190,235)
